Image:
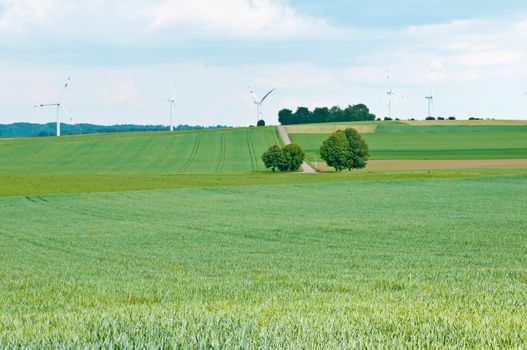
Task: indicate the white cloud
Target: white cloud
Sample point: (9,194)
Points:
(239,18)
(125,92)
(490,58)
(18,14)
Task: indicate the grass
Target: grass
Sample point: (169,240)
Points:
(371,264)
(400,141)
(210,151)
(32,185)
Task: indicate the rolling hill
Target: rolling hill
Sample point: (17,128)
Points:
(426,140)
(203,151)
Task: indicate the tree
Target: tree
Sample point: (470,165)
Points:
(321,115)
(261,122)
(288,158)
(273,158)
(293,157)
(358,150)
(335,150)
(302,115)
(285,116)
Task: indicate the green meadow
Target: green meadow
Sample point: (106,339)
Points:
(412,263)
(204,151)
(183,241)
(402,141)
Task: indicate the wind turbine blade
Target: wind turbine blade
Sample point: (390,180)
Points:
(174,93)
(66,112)
(263,99)
(46,105)
(255,98)
(64,89)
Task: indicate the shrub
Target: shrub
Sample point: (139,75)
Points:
(387,118)
(261,122)
(451,118)
(440,118)
(430,118)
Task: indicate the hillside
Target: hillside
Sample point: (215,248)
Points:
(204,151)
(426,140)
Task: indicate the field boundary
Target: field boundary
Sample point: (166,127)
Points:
(426,164)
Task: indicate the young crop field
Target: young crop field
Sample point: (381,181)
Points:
(412,264)
(401,141)
(211,151)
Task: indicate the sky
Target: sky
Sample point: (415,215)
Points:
(124,58)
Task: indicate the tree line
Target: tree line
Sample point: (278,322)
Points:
(48,129)
(303,115)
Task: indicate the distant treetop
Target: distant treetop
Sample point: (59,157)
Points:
(39,130)
(325,115)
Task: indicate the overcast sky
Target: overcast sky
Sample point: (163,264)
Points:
(124,57)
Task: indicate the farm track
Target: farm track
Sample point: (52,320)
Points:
(86,210)
(192,155)
(164,155)
(306,168)
(223,151)
(251,150)
(142,147)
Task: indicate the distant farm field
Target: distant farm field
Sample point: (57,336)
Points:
(409,264)
(211,151)
(401,141)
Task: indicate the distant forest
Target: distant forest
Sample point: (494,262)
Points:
(325,115)
(41,130)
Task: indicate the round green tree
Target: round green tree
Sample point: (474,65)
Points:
(335,150)
(345,150)
(273,158)
(261,122)
(293,157)
(358,150)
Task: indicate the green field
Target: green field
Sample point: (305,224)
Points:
(220,151)
(160,240)
(381,264)
(401,141)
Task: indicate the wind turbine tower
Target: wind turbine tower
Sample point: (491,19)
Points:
(59,107)
(430,103)
(172,102)
(259,102)
(390,93)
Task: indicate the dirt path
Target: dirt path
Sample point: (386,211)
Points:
(306,168)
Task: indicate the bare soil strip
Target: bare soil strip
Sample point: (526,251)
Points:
(306,168)
(438,164)
(465,122)
(329,128)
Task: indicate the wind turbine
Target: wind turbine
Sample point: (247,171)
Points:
(59,106)
(430,104)
(259,102)
(390,94)
(172,107)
